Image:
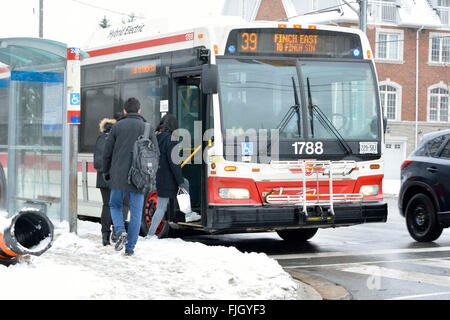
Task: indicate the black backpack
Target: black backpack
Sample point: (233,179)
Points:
(98,152)
(144,163)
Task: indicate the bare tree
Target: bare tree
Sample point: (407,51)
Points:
(131,17)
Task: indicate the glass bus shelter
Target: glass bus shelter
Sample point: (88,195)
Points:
(34,129)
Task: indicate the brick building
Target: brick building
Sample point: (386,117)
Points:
(411,44)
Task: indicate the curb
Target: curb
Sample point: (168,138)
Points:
(326,289)
(306,292)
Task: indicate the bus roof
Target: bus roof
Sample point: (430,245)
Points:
(170,31)
(144,29)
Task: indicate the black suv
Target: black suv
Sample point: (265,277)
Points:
(424,198)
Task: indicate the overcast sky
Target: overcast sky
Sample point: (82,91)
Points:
(73,21)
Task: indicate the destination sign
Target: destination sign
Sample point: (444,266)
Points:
(303,42)
(139,69)
(297,43)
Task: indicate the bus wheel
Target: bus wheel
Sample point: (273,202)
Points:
(299,235)
(150,203)
(421,219)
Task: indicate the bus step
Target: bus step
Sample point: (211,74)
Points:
(190,224)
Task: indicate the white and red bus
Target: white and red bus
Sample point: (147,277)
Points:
(288,118)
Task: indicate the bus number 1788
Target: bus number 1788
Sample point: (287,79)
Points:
(308,147)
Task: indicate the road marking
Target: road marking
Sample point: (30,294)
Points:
(420,296)
(355,253)
(440,263)
(429,262)
(413,276)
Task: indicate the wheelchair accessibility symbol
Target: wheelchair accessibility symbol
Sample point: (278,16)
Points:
(75,99)
(247,148)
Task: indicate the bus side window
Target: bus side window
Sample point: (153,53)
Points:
(148,92)
(98,103)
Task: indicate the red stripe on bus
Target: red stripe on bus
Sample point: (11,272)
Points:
(143,44)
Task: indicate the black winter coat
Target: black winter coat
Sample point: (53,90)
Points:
(105,127)
(119,147)
(99,147)
(169,175)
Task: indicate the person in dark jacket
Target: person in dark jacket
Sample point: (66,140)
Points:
(168,177)
(117,159)
(105,126)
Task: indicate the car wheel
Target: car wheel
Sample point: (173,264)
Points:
(421,219)
(299,235)
(162,231)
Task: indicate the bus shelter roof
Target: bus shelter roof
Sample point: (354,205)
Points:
(30,52)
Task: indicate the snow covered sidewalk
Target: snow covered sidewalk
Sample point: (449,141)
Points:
(80,267)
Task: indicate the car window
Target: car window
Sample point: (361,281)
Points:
(446,151)
(420,150)
(434,145)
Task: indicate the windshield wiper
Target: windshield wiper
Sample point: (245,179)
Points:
(288,116)
(323,119)
(290,113)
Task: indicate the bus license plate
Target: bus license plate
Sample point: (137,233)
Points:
(368,147)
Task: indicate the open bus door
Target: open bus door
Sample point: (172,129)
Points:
(188,101)
(188,107)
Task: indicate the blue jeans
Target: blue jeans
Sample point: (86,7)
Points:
(158,215)
(136,204)
(161,207)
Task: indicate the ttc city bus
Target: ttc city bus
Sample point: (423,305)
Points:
(281,125)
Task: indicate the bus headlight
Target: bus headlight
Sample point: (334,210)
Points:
(370,190)
(234,193)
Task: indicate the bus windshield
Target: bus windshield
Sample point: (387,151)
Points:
(257,94)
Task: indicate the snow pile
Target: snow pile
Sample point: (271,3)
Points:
(4,222)
(80,267)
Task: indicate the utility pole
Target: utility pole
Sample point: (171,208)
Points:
(41,18)
(363,15)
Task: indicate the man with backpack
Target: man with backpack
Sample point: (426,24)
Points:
(117,161)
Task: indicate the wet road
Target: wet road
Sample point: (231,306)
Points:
(371,261)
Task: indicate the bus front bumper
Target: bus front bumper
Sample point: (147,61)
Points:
(245,219)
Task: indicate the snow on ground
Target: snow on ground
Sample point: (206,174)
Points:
(78,266)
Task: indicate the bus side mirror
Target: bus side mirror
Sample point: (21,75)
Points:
(384,123)
(209,78)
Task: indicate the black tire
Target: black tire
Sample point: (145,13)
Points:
(148,211)
(421,219)
(298,235)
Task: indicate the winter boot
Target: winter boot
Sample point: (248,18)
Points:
(113,236)
(105,238)
(121,240)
